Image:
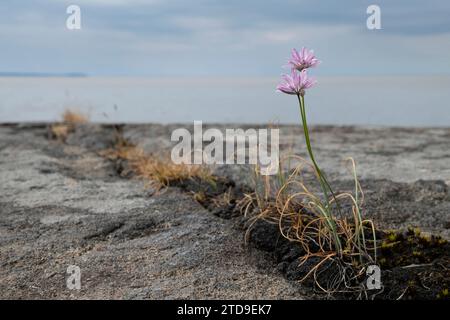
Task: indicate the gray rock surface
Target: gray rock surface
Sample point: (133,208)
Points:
(64,204)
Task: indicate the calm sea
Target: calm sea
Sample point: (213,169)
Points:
(397,101)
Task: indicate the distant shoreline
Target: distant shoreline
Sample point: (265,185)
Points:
(43,74)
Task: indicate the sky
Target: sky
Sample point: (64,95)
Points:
(223,37)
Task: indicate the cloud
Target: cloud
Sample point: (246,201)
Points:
(216,37)
(109,3)
(198,23)
(284,35)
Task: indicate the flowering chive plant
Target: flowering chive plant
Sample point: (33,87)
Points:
(303,60)
(296,83)
(328,239)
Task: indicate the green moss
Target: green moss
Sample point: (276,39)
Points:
(425,240)
(387,245)
(416,253)
(443,294)
(392,237)
(417,232)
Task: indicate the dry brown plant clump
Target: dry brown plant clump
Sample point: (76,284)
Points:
(70,119)
(158,171)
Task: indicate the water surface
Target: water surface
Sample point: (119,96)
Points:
(393,101)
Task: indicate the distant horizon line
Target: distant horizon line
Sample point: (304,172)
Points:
(43,74)
(86,75)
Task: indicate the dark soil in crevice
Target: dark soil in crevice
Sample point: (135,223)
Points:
(218,197)
(413,266)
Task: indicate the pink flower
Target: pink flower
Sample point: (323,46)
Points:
(296,83)
(303,59)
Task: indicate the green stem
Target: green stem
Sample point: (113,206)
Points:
(321,174)
(308,145)
(322,180)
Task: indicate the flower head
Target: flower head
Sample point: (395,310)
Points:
(303,59)
(296,83)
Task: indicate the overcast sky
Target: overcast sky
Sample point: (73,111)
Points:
(223,37)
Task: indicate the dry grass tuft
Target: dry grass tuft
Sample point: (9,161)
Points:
(74,117)
(286,200)
(159,171)
(70,119)
(59,131)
